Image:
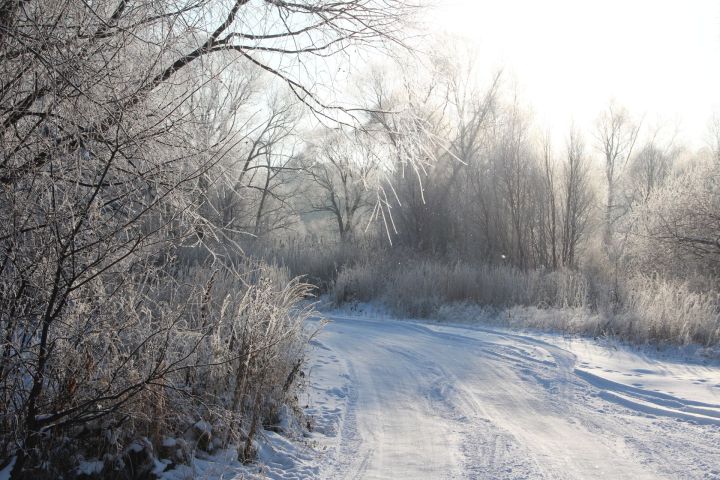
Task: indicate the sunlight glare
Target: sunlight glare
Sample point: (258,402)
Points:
(661,59)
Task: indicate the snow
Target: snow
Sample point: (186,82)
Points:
(674,379)
(203,427)
(5,472)
(411,400)
(169,442)
(90,467)
(279,458)
(160,466)
(136,447)
(407,399)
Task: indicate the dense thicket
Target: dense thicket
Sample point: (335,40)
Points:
(140,141)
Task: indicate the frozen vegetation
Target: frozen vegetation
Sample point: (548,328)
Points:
(389,398)
(182,181)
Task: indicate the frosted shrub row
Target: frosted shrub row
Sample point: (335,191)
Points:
(639,308)
(420,288)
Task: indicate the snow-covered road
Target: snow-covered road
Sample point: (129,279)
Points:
(401,400)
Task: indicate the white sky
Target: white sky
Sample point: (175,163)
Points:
(568,58)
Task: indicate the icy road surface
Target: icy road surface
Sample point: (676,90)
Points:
(401,400)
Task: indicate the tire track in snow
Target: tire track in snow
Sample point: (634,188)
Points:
(485,404)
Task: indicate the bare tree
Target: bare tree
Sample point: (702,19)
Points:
(649,170)
(433,141)
(577,199)
(254,182)
(713,137)
(616,135)
(515,163)
(342,168)
(551,217)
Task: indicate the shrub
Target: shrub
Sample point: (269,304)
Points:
(668,311)
(420,287)
(163,351)
(638,308)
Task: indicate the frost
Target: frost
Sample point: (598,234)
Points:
(90,467)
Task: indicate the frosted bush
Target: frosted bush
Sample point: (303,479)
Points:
(355,283)
(639,308)
(154,355)
(667,311)
(419,288)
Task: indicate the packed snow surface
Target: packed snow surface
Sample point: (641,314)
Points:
(390,399)
(403,400)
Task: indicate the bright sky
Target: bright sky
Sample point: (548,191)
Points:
(659,58)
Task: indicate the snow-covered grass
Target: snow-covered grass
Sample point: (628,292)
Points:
(665,311)
(419,288)
(317,260)
(209,359)
(639,308)
(301,443)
